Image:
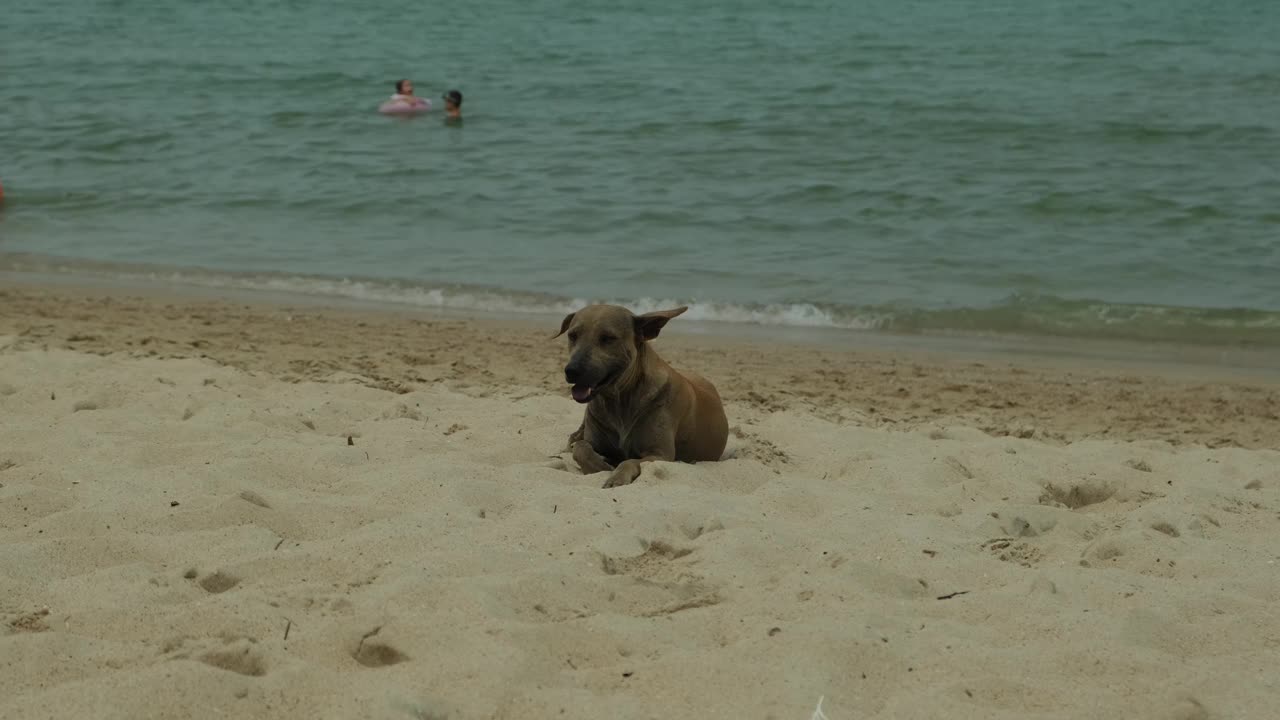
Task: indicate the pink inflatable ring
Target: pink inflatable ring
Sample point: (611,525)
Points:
(402,107)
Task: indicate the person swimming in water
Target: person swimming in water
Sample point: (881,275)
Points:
(404,94)
(453,105)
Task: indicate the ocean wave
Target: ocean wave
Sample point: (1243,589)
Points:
(1019,314)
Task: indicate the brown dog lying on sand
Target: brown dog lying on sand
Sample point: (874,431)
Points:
(639,408)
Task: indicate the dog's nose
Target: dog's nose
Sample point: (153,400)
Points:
(572,373)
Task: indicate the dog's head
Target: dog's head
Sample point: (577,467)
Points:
(604,342)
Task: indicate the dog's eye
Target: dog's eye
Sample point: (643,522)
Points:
(573,337)
(606,339)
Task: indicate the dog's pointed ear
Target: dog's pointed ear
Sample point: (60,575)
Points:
(650,324)
(564,325)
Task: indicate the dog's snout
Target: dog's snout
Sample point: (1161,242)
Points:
(573,373)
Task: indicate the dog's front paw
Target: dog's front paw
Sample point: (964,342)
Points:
(575,437)
(589,461)
(625,474)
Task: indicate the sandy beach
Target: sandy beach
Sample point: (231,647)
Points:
(227,509)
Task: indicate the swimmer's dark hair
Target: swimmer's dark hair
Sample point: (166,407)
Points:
(400,83)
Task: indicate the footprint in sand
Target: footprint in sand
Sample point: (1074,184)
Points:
(241,658)
(1189,709)
(693,530)
(374,653)
(1077,496)
(657,569)
(1011,550)
(239,655)
(254,498)
(754,447)
(218,582)
(31,622)
(650,564)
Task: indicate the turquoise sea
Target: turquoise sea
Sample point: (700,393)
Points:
(1082,169)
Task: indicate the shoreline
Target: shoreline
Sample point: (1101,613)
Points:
(1018,324)
(1223,362)
(1055,392)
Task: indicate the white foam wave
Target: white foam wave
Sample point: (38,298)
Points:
(803,315)
(790,314)
(456,298)
(494,301)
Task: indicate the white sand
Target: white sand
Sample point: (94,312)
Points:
(157,543)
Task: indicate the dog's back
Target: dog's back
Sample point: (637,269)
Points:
(706,439)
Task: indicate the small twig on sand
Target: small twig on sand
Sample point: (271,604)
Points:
(954,594)
(818,714)
(554,508)
(277,547)
(366,636)
(287,628)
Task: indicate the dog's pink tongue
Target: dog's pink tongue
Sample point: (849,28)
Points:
(581,393)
